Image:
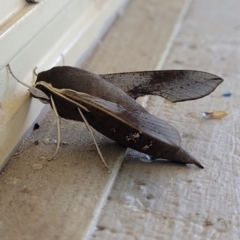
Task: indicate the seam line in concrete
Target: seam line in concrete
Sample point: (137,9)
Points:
(106,192)
(174,34)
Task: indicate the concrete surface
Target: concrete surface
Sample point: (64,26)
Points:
(64,198)
(165,201)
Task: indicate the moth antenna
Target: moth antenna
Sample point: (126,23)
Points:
(58,128)
(35,71)
(63,59)
(91,132)
(23,83)
(33,90)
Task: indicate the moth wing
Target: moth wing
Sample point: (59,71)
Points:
(173,85)
(142,121)
(142,125)
(153,135)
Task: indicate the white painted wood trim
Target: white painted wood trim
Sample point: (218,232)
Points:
(43,35)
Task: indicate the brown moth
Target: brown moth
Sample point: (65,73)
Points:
(107,103)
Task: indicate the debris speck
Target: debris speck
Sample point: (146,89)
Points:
(36,126)
(214,115)
(12,181)
(37,166)
(49,141)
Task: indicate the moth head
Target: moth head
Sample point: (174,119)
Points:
(37,93)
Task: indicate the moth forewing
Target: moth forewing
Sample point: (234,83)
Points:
(141,120)
(129,129)
(115,111)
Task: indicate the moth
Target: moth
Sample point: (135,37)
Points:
(107,103)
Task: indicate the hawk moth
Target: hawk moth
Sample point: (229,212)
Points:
(107,102)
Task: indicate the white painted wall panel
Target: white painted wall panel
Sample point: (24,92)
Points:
(43,35)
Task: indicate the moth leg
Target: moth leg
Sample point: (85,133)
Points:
(20,148)
(58,128)
(91,132)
